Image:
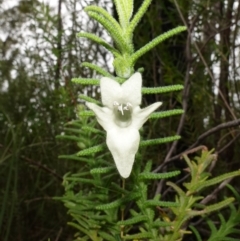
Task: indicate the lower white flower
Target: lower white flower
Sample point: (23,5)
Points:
(122,118)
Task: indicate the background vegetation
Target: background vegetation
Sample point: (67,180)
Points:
(40,54)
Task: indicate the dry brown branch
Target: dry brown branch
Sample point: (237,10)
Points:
(200,139)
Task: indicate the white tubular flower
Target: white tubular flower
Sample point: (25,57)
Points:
(121,117)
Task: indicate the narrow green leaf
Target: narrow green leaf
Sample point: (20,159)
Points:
(160,90)
(78,227)
(78,174)
(163,114)
(75,123)
(137,17)
(83,180)
(78,131)
(100,41)
(92,130)
(97,69)
(223,221)
(216,180)
(115,34)
(152,176)
(86,81)
(106,236)
(180,192)
(101,170)
(159,141)
(133,220)
(234,191)
(191,165)
(115,186)
(148,166)
(211,208)
(158,224)
(160,203)
(89,99)
(115,204)
(91,150)
(138,236)
(86,113)
(92,223)
(75,157)
(197,235)
(124,10)
(132,196)
(106,15)
(67,137)
(155,42)
(219,205)
(119,202)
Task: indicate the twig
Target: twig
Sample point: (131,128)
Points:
(185,96)
(215,129)
(213,194)
(192,150)
(43,167)
(38,164)
(177,182)
(205,64)
(38,199)
(184,104)
(229,143)
(201,138)
(59,234)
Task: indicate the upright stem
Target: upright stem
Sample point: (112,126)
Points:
(59,45)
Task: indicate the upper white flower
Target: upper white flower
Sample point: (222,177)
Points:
(122,118)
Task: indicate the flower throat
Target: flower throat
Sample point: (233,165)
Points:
(123,113)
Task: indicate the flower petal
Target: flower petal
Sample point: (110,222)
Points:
(110,91)
(140,116)
(103,114)
(123,144)
(131,90)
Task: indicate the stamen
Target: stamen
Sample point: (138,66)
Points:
(127,106)
(122,107)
